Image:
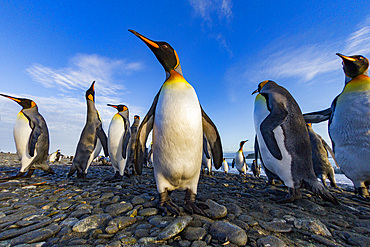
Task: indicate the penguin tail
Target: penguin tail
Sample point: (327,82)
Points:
(318,189)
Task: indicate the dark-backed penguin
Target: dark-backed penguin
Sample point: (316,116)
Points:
(54,156)
(178,123)
(349,123)
(225,166)
(284,142)
(118,140)
(150,156)
(239,160)
(91,140)
(206,157)
(130,166)
(320,159)
(31,137)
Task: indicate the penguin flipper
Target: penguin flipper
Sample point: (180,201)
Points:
(256,149)
(142,135)
(126,138)
(36,132)
(213,137)
(278,115)
(103,139)
(205,148)
(328,148)
(317,117)
(233,163)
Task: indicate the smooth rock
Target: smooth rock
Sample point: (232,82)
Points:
(122,222)
(175,227)
(215,211)
(69,222)
(107,195)
(137,200)
(36,235)
(148,211)
(118,208)
(198,244)
(276,226)
(232,208)
(194,233)
(312,225)
(111,229)
(222,230)
(355,239)
(270,241)
(160,221)
(80,212)
(91,222)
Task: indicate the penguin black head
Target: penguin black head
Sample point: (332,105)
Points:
(119,108)
(354,65)
(137,117)
(261,85)
(242,142)
(25,103)
(165,54)
(90,93)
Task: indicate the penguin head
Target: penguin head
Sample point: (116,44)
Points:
(120,108)
(354,65)
(90,93)
(242,143)
(261,85)
(137,117)
(164,52)
(25,103)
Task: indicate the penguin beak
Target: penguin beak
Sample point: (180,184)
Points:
(12,98)
(114,106)
(255,91)
(152,44)
(25,103)
(345,58)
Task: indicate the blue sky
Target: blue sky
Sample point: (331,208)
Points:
(51,51)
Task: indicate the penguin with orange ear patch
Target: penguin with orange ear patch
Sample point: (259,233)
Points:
(91,140)
(31,137)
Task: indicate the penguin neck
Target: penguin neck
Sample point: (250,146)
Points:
(241,148)
(176,81)
(124,114)
(358,83)
(90,109)
(30,111)
(177,69)
(363,75)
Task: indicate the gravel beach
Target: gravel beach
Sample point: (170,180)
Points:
(53,210)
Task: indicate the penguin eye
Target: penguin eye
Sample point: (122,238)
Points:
(165,47)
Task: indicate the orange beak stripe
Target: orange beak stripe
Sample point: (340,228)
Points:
(148,41)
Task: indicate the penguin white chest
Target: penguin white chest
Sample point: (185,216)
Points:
(115,137)
(282,167)
(177,137)
(239,161)
(22,132)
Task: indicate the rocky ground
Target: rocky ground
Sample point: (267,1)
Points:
(52,210)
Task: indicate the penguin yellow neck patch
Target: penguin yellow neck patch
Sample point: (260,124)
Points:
(359,83)
(176,81)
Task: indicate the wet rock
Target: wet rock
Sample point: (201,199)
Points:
(69,222)
(80,212)
(194,233)
(276,226)
(91,222)
(232,208)
(175,227)
(16,232)
(311,206)
(122,222)
(118,208)
(198,244)
(64,205)
(112,229)
(107,195)
(8,195)
(137,200)
(215,211)
(160,221)
(36,235)
(355,239)
(270,241)
(312,225)
(140,233)
(224,231)
(148,212)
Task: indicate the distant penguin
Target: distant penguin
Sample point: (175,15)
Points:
(91,140)
(53,156)
(321,165)
(118,140)
(130,166)
(150,156)
(284,142)
(225,166)
(206,157)
(178,124)
(349,123)
(239,160)
(31,137)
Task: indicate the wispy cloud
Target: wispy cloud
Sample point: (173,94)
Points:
(82,70)
(207,8)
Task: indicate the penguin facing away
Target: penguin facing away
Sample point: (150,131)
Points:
(349,123)
(206,157)
(239,160)
(91,140)
(321,165)
(284,142)
(130,167)
(118,140)
(178,124)
(31,138)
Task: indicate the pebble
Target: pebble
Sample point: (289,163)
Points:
(91,222)
(148,212)
(118,208)
(276,226)
(36,235)
(270,241)
(215,211)
(225,231)
(175,227)
(312,225)
(194,233)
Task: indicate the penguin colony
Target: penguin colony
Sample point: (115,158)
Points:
(184,137)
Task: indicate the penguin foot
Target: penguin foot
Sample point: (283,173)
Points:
(362,192)
(50,171)
(29,173)
(116,177)
(192,207)
(294,194)
(166,205)
(19,175)
(81,175)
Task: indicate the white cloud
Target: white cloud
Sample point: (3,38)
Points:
(206,8)
(82,70)
(359,41)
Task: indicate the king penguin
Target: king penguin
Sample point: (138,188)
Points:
(225,166)
(118,139)
(284,142)
(91,140)
(130,167)
(321,165)
(178,122)
(31,137)
(206,157)
(239,160)
(349,123)
(54,156)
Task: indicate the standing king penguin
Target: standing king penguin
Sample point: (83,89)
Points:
(206,157)
(31,137)
(130,167)
(178,122)
(239,160)
(118,140)
(283,140)
(91,140)
(349,123)
(225,165)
